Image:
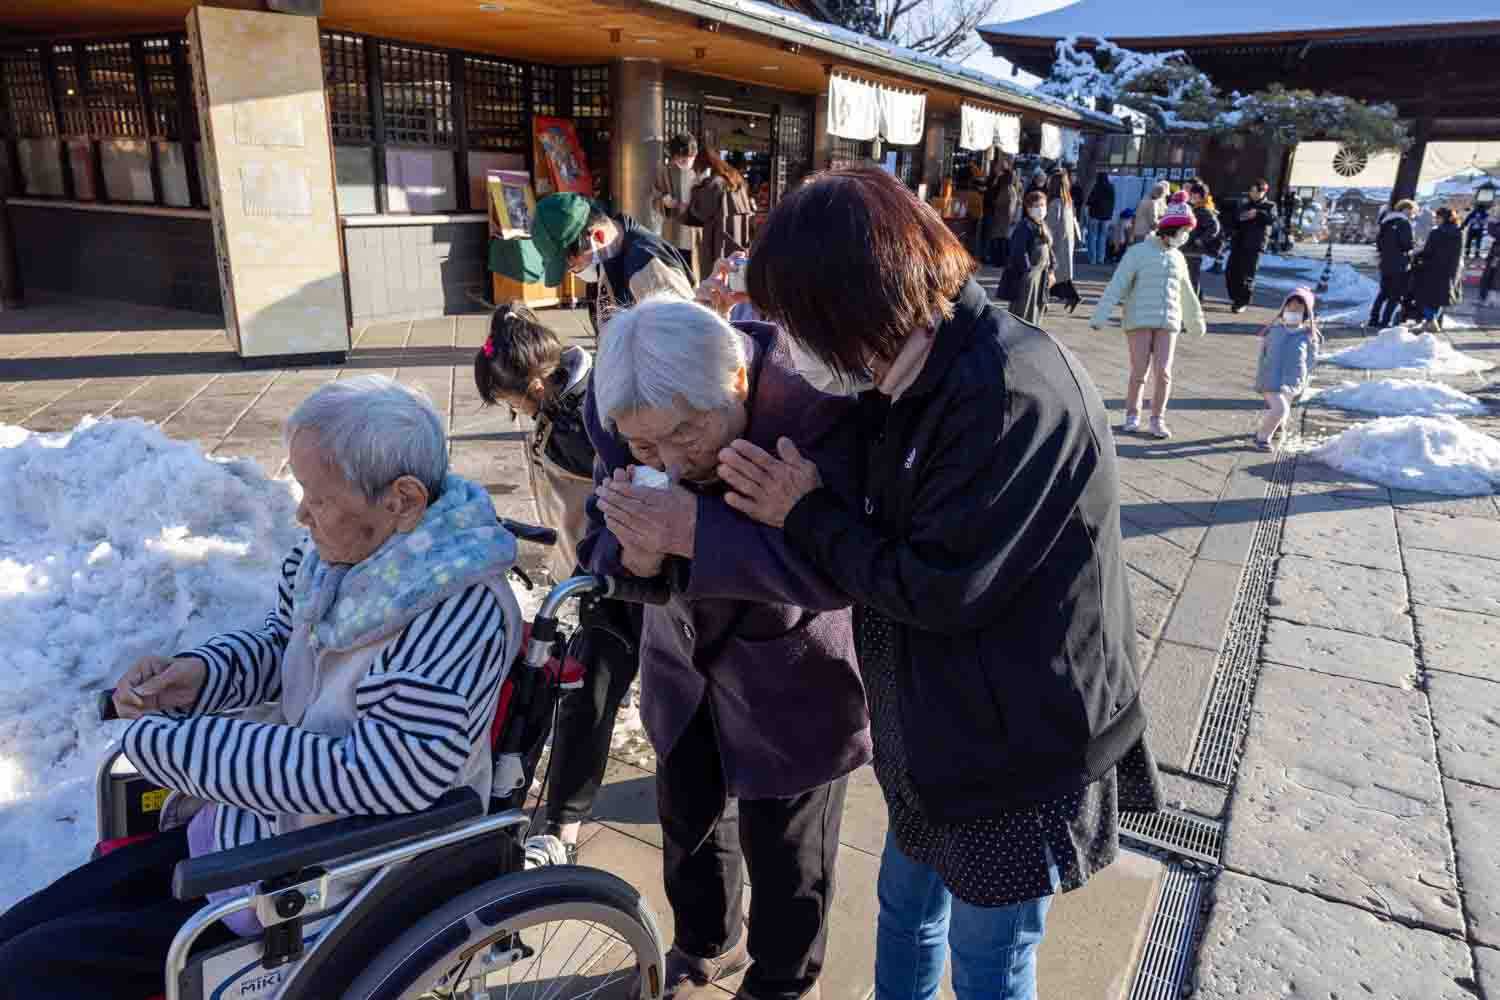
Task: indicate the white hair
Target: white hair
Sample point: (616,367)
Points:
(662,351)
(375,430)
(1160,189)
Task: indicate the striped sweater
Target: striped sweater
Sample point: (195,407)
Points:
(368,690)
(425,703)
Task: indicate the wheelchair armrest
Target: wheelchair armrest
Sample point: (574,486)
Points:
(294,851)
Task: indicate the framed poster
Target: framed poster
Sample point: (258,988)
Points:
(562,156)
(512,203)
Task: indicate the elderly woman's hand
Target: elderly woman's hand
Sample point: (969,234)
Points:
(158,683)
(649,520)
(766,488)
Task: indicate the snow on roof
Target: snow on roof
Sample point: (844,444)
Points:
(835,33)
(1114,19)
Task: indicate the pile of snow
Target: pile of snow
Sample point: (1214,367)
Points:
(1430,454)
(115,542)
(1396,397)
(1398,347)
(1350,294)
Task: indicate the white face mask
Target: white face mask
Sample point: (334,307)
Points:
(590,274)
(1294,317)
(1037,212)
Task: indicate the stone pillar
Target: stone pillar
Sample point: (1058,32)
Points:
(637,147)
(10,263)
(1409,173)
(268,172)
(822,141)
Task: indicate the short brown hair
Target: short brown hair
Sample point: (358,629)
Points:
(851,263)
(1406,205)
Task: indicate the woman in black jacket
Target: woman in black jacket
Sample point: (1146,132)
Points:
(1007,736)
(1028,273)
(1208,236)
(1394,244)
(1437,271)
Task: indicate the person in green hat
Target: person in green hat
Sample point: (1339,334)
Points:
(626,261)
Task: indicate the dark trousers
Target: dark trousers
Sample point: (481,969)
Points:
(608,648)
(1491,276)
(1195,273)
(1240,275)
(789,846)
(1392,291)
(102,930)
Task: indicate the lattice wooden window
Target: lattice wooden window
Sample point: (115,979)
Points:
(417,96)
(545,94)
(683,117)
(346,86)
(495,104)
(26,86)
(161,82)
(75,115)
(591,92)
(110,92)
(848,151)
(794,138)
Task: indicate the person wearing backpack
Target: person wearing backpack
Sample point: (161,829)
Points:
(1395,244)
(1208,236)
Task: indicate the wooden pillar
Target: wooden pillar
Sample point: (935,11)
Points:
(1409,173)
(11,294)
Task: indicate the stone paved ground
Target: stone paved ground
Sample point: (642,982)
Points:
(1360,830)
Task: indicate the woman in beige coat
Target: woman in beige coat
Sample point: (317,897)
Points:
(1062,224)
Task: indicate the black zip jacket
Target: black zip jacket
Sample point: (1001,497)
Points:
(990,534)
(1395,244)
(1253,233)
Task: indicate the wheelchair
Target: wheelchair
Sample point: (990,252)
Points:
(450,903)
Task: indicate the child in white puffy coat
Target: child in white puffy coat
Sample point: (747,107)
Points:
(1154,284)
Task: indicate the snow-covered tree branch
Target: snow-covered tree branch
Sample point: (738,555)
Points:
(942,28)
(1175,96)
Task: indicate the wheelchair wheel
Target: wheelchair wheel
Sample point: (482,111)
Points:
(561,933)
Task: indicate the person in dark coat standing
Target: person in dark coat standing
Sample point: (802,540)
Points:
(1207,238)
(749,685)
(1008,734)
(1250,234)
(1101,207)
(1028,274)
(1001,197)
(1394,244)
(721,204)
(1437,271)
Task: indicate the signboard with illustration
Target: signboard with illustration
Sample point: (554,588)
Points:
(562,157)
(512,203)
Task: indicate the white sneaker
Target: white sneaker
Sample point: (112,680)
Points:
(1159,428)
(1132,423)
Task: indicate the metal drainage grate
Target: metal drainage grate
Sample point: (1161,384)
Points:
(1217,752)
(1179,833)
(1167,955)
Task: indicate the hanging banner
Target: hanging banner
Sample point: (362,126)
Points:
(853,109)
(1052,145)
(903,116)
(1072,144)
(976,128)
(1008,134)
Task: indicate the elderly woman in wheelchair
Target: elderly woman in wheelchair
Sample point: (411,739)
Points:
(346,780)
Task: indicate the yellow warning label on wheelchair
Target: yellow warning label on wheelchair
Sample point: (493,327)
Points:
(152,801)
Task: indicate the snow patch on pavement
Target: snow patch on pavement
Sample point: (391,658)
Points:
(1348,299)
(1400,397)
(1399,348)
(1431,454)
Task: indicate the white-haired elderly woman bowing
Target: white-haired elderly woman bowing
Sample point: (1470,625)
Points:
(390,631)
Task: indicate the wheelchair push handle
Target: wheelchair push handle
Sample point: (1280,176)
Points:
(524,532)
(637,591)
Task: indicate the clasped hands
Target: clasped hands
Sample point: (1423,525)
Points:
(651,524)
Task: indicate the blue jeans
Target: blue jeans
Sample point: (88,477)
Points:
(994,948)
(1098,240)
